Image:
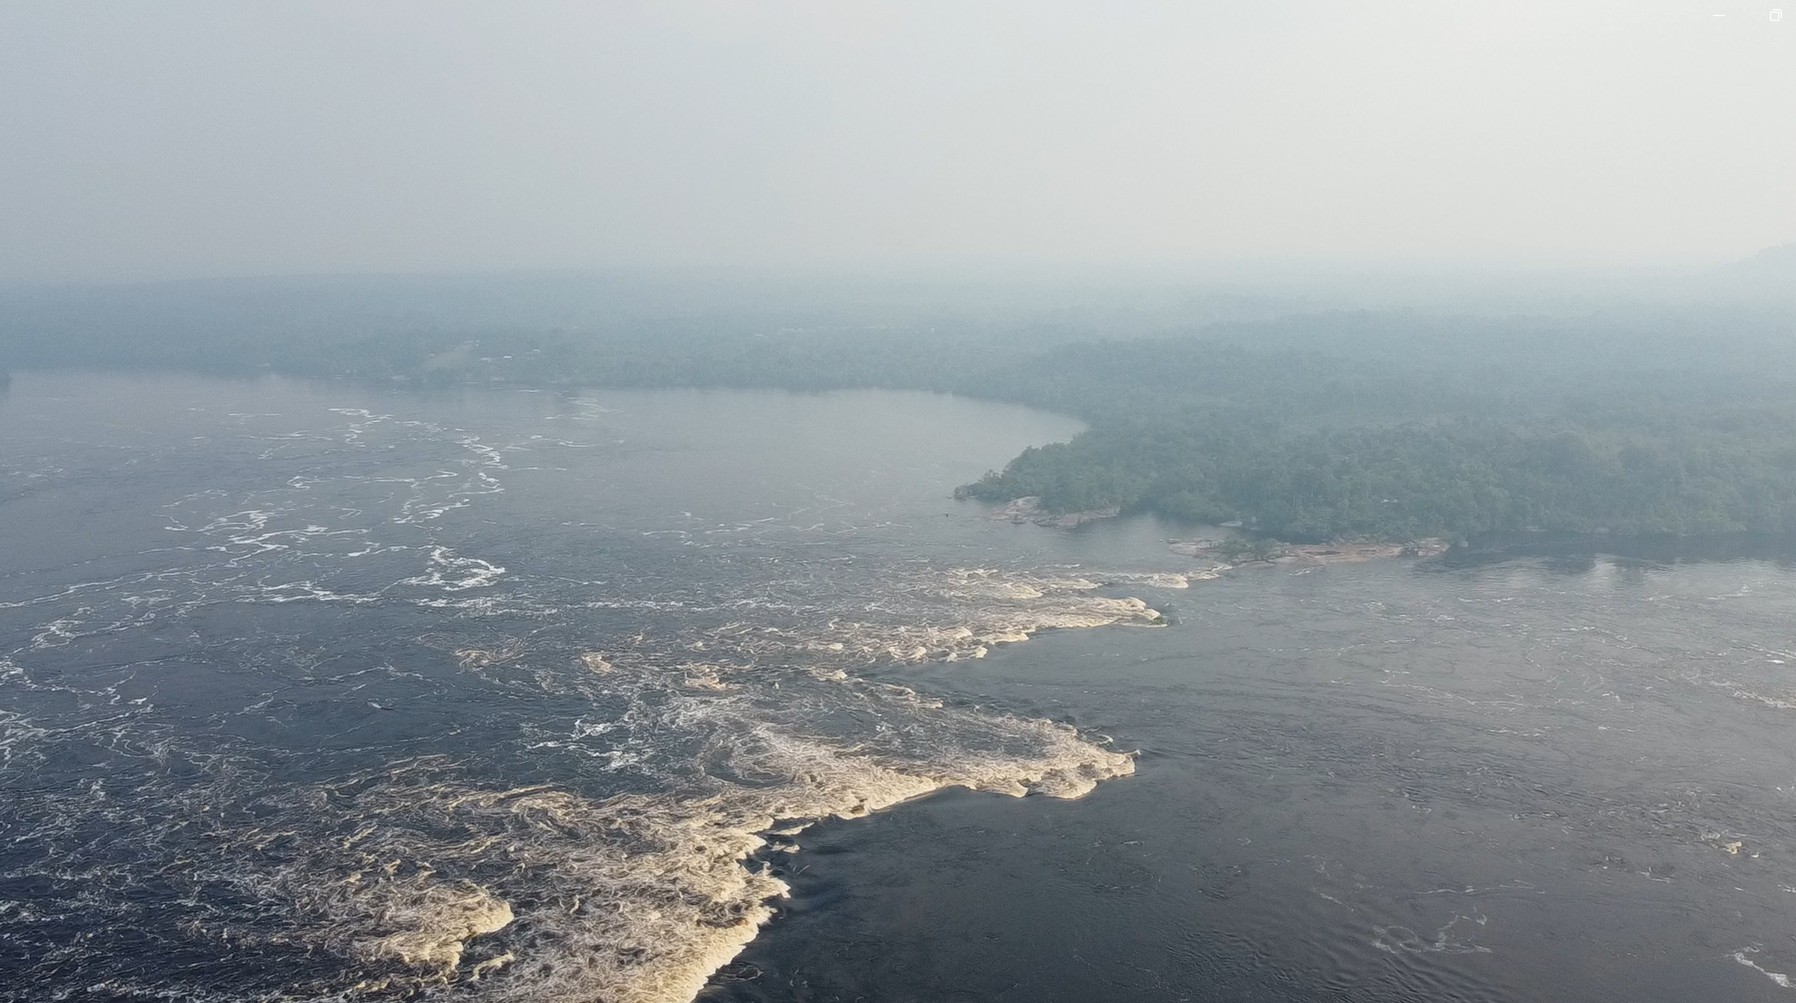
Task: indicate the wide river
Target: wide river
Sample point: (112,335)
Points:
(332,692)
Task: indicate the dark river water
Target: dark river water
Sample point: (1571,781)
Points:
(319,692)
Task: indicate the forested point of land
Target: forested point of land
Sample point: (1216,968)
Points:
(1308,427)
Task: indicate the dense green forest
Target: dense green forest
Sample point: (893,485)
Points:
(1630,419)
(1310,446)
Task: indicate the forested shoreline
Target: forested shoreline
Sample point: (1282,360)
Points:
(1309,427)
(1308,446)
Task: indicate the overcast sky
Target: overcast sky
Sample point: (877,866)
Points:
(195,139)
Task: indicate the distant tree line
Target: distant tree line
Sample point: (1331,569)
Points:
(1460,437)
(1305,428)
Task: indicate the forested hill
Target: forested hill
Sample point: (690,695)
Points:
(1629,420)
(1553,430)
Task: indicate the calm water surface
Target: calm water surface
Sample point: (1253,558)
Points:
(329,692)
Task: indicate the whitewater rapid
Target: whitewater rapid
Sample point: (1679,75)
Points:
(350,703)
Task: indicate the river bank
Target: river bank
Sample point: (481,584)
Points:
(1022,510)
(1238,552)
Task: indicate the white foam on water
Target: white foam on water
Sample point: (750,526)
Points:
(654,893)
(679,894)
(418,876)
(1741,692)
(873,641)
(304,591)
(1162,579)
(1725,842)
(956,615)
(1403,940)
(1741,956)
(539,893)
(61,630)
(641,897)
(489,456)
(421,507)
(452,572)
(509,650)
(75,589)
(16,731)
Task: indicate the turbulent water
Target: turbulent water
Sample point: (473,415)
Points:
(312,692)
(318,692)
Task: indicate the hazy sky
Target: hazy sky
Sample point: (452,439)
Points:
(185,138)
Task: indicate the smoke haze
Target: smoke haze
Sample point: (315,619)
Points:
(217,139)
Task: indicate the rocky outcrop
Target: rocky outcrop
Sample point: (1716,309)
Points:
(1029,509)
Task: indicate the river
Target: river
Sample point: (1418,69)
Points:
(329,691)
